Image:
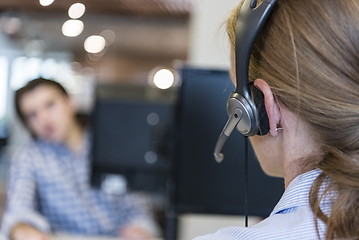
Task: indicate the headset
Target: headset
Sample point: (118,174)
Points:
(245,106)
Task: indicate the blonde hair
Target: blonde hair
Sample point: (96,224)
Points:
(308,53)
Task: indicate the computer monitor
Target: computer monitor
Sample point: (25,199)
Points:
(129,132)
(201,185)
(3,133)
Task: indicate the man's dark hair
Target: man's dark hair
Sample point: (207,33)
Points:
(30,86)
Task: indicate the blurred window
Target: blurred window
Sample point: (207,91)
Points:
(3,86)
(23,69)
(78,84)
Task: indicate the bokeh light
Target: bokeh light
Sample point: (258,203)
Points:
(94,44)
(76,10)
(72,28)
(163,78)
(46,3)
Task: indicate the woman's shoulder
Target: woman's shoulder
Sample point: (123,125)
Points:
(297,224)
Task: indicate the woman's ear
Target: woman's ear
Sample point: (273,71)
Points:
(271,105)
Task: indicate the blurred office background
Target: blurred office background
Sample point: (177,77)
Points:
(131,41)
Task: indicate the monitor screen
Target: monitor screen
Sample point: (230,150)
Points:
(201,185)
(128,138)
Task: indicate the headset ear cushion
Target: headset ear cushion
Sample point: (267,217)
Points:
(258,99)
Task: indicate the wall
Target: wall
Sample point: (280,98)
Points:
(209,46)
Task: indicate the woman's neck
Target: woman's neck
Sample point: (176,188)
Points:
(300,166)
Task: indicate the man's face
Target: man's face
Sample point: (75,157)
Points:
(48,113)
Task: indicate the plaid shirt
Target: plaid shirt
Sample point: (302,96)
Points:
(49,189)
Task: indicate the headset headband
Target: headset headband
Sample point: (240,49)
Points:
(250,22)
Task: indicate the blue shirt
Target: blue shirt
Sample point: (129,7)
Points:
(292,217)
(49,189)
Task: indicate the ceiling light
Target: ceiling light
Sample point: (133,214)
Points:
(163,78)
(72,28)
(94,44)
(46,2)
(76,10)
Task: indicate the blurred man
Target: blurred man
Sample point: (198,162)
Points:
(49,189)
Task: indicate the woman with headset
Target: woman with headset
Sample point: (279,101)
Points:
(304,59)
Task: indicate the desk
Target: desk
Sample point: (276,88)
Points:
(71,237)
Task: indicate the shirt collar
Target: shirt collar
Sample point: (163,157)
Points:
(297,193)
(62,149)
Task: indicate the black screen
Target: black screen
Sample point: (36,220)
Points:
(129,138)
(201,184)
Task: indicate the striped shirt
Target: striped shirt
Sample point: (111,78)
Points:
(49,189)
(291,218)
